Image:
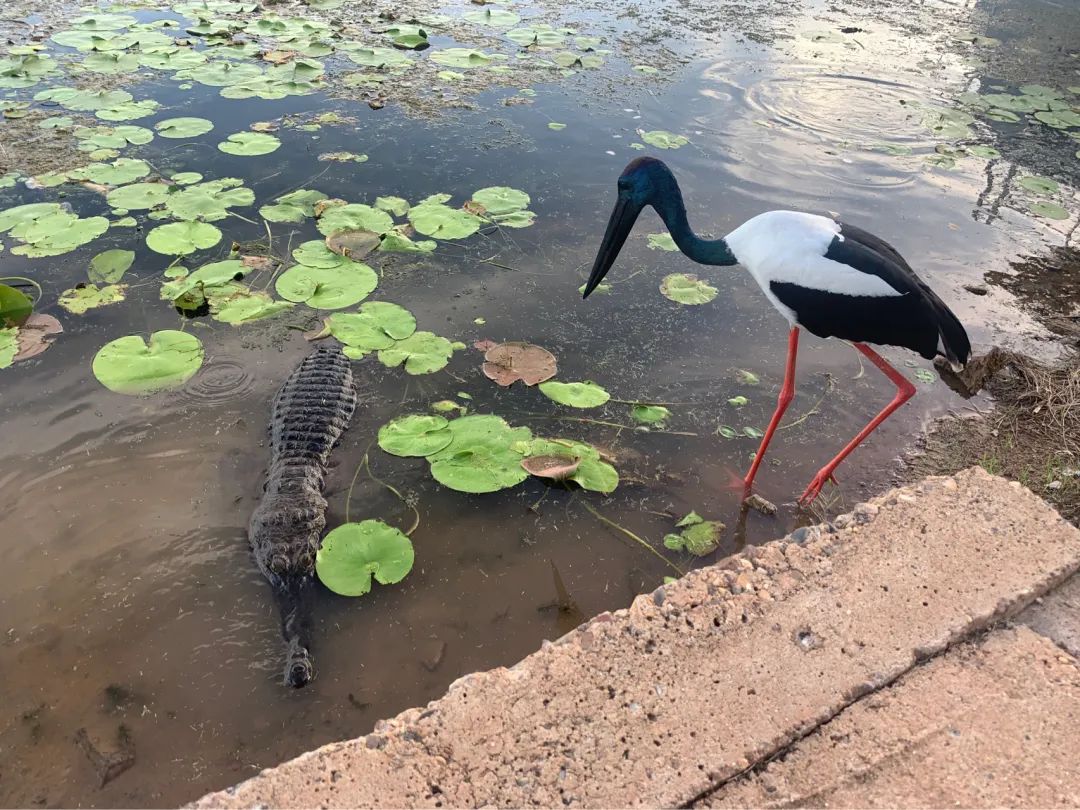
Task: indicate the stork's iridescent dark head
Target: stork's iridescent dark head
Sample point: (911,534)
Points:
(644,181)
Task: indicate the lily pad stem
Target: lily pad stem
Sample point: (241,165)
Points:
(632,536)
(376,479)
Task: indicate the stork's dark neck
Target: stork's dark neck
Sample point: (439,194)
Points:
(669,205)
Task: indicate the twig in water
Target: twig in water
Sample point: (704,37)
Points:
(600,422)
(632,536)
(813,408)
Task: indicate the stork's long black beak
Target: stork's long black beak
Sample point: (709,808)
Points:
(618,228)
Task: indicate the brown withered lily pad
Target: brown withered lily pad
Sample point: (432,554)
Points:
(36,335)
(516,360)
(354,244)
(552,466)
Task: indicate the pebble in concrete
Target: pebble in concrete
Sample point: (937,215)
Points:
(663,702)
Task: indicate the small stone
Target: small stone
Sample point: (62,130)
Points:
(1054,485)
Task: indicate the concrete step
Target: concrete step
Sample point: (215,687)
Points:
(667,701)
(991,723)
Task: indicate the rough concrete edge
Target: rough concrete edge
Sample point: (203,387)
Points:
(1006,634)
(863,513)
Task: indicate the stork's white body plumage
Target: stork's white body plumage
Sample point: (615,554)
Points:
(790,247)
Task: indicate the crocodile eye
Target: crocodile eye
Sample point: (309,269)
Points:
(278,564)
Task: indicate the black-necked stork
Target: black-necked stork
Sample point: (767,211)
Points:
(831,278)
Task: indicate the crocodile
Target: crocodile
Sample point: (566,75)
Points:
(307,417)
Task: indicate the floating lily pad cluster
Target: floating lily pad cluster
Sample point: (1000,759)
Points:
(482,453)
(49,229)
(103,287)
(390,330)
(698,536)
(217,288)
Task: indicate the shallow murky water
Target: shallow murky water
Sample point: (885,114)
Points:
(132,599)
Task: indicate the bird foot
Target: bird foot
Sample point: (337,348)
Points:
(814,489)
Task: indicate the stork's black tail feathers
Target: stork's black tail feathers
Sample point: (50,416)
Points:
(953,343)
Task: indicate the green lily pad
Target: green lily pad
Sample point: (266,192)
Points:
(493,16)
(752,432)
(377,326)
(415,435)
(191,290)
(998,114)
(249,144)
(110,62)
(645,70)
(421,352)
(354,217)
(9,345)
(295,206)
(51,234)
(209,201)
(481,456)
(394,242)
(128,111)
(240,305)
(138,196)
(182,238)
(378,57)
(15,307)
(441,221)
(84,100)
(662,139)
(699,538)
(221,73)
(985,152)
(186,178)
(327,287)
(109,266)
(575,394)
(649,414)
(1059,119)
(316,254)
(353,553)
(464,57)
(398,206)
(1040,185)
(79,299)
(92,138)
(687,288)
(183,127)
(130,365)
(555,126)
(662,241)
(738,401)
(501,200)
(1049,210)
(538,36)
(118,173)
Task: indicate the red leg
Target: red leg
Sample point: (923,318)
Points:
(787,393)
(904,391)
